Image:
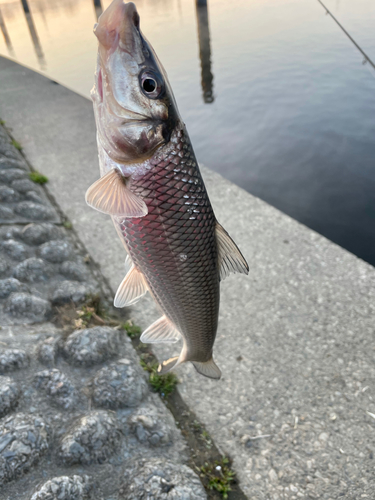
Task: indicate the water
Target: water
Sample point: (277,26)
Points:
(275,97)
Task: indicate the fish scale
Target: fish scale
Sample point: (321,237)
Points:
(160,206)
(174,245)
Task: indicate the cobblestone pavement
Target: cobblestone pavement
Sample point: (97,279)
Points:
(77,418)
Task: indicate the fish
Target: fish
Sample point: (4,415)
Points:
(151,185)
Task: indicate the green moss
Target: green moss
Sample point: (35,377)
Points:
(17,145)
(2,122)
(67,224)
(197,425)
(133,331)
(163,384)
(38,178)
(206,439)
(219,476)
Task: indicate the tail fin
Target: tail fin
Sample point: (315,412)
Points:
(168,365)
(208,369)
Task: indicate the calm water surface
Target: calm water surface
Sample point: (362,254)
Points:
(274,95)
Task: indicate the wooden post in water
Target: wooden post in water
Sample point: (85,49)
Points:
(204,51)
(34,34)
(6,35)
(25,6)
(98,8)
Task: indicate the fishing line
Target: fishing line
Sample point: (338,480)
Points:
(367,59)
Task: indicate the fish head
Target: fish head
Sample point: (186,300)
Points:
(133,102)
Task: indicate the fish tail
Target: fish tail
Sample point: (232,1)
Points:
(168,365)
(208,369)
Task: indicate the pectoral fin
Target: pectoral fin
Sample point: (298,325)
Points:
(110,195)
(132,288)
(162,331)
(230,258)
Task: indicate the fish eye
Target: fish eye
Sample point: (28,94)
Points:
(151,85)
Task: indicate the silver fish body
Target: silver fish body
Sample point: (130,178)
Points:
(175,245)
(152,187)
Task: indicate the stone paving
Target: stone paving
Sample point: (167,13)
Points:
(21,200)
(77,418)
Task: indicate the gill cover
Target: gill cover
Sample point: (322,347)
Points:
(134,106)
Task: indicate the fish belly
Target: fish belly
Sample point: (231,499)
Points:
(174,245)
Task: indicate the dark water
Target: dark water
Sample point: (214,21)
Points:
(275,97)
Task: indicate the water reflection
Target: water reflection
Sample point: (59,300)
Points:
(205,51)
(366,57)
(6,36)
(34,34)
(40,9)
(98,8)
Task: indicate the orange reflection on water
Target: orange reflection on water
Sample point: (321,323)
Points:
(61,34)
(64,47)
(62,43)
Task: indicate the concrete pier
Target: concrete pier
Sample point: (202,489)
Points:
(295,407)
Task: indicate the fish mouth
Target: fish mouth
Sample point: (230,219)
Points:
(142,122)
(132,139)
(132,121)
(116,26)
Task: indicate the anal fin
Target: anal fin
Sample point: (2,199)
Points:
(131,289)
(110,195)
(208,369)
(162,331)
(230,259)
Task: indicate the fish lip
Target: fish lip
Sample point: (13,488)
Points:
(120,161)
(148,119)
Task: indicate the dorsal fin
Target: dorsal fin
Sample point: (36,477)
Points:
(110,195)
(131,289)
(161,331)
(230,259)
